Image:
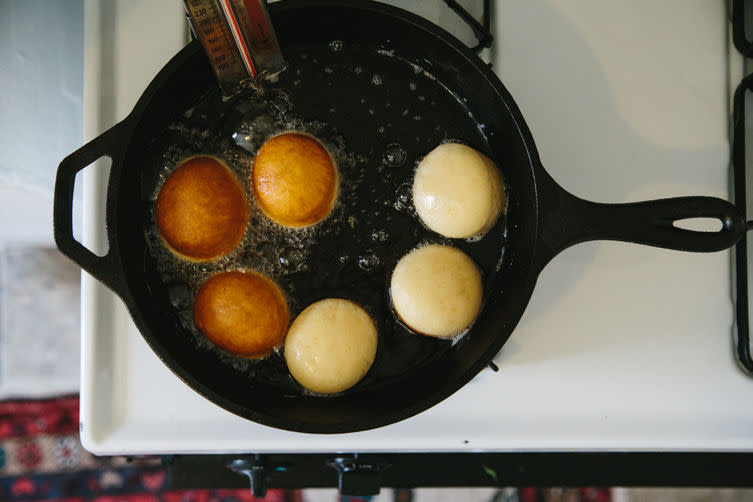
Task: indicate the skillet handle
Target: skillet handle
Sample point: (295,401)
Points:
(567,220)
(106,268)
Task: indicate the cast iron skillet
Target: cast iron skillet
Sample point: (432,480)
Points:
(542,220)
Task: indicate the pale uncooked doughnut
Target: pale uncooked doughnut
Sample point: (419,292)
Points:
(436,290)
(330,346)
(457,191)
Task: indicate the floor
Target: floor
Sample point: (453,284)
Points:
(554,494)
(39,322)
(681,495)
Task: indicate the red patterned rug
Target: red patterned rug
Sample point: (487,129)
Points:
(41,459)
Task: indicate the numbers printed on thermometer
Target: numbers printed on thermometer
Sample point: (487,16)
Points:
(210,27)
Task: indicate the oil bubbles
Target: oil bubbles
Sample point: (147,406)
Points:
(368,261)
(403,197)
(291,258)
(395,155)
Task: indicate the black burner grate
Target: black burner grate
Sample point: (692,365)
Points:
(481,29)
(742,28)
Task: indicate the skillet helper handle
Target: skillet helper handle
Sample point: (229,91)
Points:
(568,220)
(104,268)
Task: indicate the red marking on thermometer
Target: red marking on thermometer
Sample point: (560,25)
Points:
(238,37)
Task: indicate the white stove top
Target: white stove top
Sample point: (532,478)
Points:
(622,347)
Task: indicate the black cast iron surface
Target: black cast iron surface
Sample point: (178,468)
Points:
(377,116)
(542,218)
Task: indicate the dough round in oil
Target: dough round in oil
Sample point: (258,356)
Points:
(436,290)
(242,312)
(458,192)
(294,180)
(330,346)
(201,209)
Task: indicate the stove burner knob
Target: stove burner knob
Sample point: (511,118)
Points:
(256,472)
(358,477)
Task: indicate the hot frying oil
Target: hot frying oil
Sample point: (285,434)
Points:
(377,121)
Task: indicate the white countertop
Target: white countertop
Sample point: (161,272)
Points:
(622,347)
